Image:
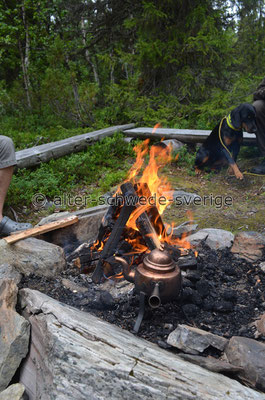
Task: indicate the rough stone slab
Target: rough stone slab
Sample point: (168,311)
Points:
(81,357)
(85,230)
(249,354)
(174,144)
(182,198)
(14,333)
(45,152)
(216,239)
(33,256)
(193,340)
(7,271)
(260,325)
(183,230)
(197,238)
(13,392)
(249,245)
(184,135)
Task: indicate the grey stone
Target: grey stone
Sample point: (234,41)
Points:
(197,238)
(9,272)
(216,239)
(182,198)
(248,354)
(85,230)
(260,325)
(193,340)
(249,245)
(262,266)
(174,144)
(14,333)
(13,392)
(73,286)
(75,355)
(33,256)
(183,230)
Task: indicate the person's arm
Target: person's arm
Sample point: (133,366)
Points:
(259,93)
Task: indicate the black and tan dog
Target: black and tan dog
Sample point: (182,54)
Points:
(222,146)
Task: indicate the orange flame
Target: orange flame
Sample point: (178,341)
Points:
(154,190)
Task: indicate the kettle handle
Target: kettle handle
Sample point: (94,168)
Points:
(129,274)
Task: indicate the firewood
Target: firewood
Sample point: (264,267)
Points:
(38,230)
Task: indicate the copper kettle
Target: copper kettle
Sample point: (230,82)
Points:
(158,276)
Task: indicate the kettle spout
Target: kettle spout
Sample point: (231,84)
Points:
(129,274)
(154,300)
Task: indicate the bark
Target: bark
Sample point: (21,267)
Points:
(87,55)
(24,56)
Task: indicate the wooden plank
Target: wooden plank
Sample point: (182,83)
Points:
(35,155)
(75,355)
(183,135)
(38,230)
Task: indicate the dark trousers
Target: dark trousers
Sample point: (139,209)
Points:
(260,120)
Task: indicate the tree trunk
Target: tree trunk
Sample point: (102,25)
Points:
(24,56)
(87,55)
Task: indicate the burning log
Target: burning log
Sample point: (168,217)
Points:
(116,233)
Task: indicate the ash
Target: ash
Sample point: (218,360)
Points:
(223,295)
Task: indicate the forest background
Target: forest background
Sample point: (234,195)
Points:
(67,67)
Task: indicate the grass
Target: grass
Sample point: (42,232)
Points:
(91,173)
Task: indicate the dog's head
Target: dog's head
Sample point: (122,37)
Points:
(243,117)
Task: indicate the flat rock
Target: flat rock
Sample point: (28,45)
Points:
(85,230)
(193,340)
(197,238)
(183,230)
(75,355)
(182,198)
(249,245)
(212,364)
(260,325)
(13,392)
(216,239)
(248,354)
(174,144)
(14,333)
(33,256)
(7,271)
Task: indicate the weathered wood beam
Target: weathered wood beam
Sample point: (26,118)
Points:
(183,135)
(74,355)
(35,155)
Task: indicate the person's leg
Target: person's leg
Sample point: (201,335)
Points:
(5,180)
(7,163)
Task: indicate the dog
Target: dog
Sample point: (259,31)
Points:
(223,144)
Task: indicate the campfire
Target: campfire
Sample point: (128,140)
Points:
(133,242)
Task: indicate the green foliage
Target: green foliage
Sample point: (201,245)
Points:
(91,167)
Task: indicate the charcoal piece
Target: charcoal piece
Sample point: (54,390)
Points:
(229,294)
(223,306)
(208,305)
(188,261)
(187,283)
(190,310)
(187,293)
(196,298)
(106,299)
(193,276)
(204,287)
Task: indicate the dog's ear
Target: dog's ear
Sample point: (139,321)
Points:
(236,117)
